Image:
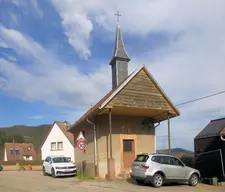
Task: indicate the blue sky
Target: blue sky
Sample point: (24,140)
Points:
(54,57)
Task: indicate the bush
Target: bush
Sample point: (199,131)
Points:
(22,162)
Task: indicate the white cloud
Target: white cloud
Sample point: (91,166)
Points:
(173,17)
(47,79)
(191,66)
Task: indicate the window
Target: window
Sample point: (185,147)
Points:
(60,145)
(11,151)
(164,160)
(127,145)
(48,159)
(175,161)
(53,146)
(17,151)
(141,158)
(156,159)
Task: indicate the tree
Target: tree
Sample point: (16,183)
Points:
(17,138)
(2,138)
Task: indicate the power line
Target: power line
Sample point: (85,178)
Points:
(194,100)
(201,98)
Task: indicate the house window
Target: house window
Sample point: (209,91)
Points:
(127,145)
(11,151)
(53,146)
(60,145)
(17,151)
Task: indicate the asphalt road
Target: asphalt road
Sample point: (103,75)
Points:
(34,181)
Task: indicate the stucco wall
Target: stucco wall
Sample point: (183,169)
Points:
(143,136)
(144,141)
(56,135)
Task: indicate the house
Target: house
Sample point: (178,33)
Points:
(122,124)
(19,151)
(58,141)
(209,147)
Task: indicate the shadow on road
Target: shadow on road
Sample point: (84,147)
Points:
(132,181)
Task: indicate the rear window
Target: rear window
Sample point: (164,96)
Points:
(141,158)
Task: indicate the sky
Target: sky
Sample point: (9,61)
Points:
(54,58)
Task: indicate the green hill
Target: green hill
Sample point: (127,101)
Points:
(177,151)
(22,133)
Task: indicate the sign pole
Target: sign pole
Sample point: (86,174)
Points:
(81,145)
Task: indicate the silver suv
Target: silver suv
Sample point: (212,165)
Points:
(158,169)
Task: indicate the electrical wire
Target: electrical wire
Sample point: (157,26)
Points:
(201,98)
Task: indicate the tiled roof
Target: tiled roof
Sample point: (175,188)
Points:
(214,128)
(25,149)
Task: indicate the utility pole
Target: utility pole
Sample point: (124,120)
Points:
(14,149)
(169,148)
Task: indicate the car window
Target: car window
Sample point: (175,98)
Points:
(156,159)
(46,159)
(175,161)
(164,160)
(141,158)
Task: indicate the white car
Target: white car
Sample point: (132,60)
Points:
(58,166)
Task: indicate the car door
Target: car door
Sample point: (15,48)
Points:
(47,164)
(178,169)
(173,168)
(166,167)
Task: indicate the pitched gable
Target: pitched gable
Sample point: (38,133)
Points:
(139,89)
(64,129)
(141,92)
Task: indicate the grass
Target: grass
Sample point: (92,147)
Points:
(84,176)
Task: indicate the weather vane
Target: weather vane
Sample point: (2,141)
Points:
(118,16)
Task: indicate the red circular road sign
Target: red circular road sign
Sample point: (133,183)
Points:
(81,145)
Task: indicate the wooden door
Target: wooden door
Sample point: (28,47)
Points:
(128,153)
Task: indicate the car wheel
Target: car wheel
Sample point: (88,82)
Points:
(43,171)
(157,180)
(193,180)
(53,173)
(139,182)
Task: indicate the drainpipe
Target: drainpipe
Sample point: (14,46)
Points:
(95,145)
(155,135)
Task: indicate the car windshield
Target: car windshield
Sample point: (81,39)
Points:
(60,159)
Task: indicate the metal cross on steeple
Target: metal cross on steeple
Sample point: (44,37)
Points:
(118,16)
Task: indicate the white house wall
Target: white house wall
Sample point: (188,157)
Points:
(56,135)
(5,155)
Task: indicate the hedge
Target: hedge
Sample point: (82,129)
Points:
(22,162)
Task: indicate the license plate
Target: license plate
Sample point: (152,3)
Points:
(67,170)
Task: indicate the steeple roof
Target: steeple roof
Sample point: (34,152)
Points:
(119,49)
